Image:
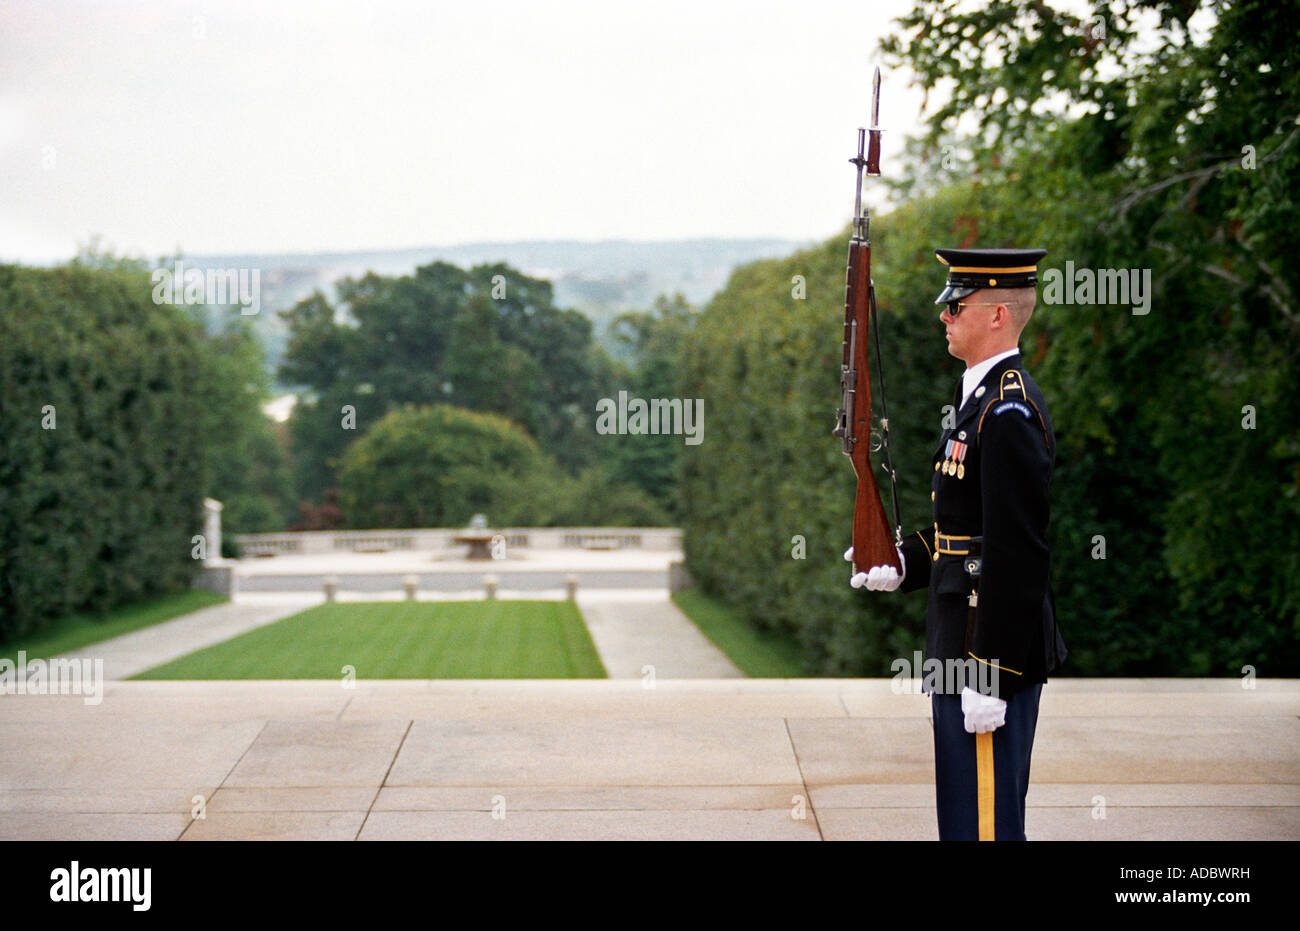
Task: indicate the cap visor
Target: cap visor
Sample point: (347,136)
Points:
(953,293)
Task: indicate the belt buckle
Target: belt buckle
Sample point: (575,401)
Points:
(952,545)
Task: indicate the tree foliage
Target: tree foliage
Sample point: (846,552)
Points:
(102,465)
(653,342)
(1123,138)
(246,458)
(488,339)
(438,466)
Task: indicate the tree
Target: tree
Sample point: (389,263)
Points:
(247,466)
(102,451)
(487,339)
(653,342)
(438,466)
(1175,428)
(1180,155)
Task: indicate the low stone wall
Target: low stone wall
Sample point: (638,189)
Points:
(436,540)
(219,576)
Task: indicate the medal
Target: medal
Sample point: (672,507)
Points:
(957,454)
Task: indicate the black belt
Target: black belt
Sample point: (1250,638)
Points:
(950,545)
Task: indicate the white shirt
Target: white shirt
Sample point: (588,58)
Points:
(971,378)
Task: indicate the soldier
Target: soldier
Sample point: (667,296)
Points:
(990,632)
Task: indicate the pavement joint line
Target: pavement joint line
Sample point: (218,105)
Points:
(189,824)
(379,788)
(803,780)
(1160,800)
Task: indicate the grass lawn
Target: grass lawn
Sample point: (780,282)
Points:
(78,630)
(760,655)
(405,640)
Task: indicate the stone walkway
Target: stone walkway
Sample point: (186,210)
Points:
(632,630)
(143,649)
(802,759)
(636,639)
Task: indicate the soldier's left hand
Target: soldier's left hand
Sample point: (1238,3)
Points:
(983,713)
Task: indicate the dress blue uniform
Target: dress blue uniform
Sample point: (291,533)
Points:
(991,620)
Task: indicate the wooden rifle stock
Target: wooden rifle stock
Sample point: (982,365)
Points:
(873,544)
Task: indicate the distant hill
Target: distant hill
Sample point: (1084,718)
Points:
(601,279)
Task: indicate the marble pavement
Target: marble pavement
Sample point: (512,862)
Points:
(803,759)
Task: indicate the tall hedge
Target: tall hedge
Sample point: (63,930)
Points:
(767,497)
(1115,142)
(101,474)
(1198,516)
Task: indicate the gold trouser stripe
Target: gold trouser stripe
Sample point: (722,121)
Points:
(984,779)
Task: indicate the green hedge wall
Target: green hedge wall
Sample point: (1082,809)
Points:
(767,498)
(100,509)
(1200,517)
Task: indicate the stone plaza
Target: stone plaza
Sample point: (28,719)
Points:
(676,744)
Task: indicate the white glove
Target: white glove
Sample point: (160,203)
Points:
(878,578)
(983,713)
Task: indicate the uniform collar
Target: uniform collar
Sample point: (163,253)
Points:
(971,378)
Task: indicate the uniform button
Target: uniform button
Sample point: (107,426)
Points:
(931,496)
(936,467)
(936,557)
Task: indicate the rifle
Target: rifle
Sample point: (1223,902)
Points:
(872,544)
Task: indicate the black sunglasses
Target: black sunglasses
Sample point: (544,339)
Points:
(954,307)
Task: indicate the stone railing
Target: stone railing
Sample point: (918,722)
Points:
(537,538)
(373,542)
(601,541)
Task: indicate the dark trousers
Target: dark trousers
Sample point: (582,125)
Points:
(960,760)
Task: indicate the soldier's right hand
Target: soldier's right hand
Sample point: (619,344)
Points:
(878,578)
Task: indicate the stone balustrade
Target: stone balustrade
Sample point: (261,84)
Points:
(438,540)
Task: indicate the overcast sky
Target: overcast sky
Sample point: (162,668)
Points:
(310,126)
